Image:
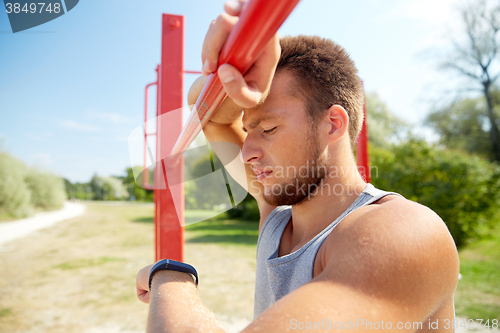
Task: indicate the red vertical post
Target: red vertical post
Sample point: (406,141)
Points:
(145,174)
(362,148)
(169,222)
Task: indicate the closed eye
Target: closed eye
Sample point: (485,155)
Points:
(269,131)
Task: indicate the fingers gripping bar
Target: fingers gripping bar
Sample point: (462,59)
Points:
(257,24)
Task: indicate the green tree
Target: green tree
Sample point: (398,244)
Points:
(464,125)
(15,196)
(384,127)
(22,189)
(81,191)
(476,56)
(108,188)
(197,198)
(139,193)
(47,190)
(203,198)
(463,190)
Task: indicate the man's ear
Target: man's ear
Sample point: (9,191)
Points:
(335,122)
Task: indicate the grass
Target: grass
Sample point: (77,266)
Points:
(5,312)
(86,262)
(478,292)
(81,274)
(224,232)
(4,217)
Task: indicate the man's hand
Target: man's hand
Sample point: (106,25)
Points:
(246,91)
(142,284)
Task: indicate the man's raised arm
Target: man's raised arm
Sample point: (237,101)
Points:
(243,92)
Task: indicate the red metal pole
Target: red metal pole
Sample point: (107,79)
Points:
(169,221)
(145,183)
(257,24)
(362,148)
(155,192)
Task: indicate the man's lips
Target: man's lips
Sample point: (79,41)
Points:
(261,173)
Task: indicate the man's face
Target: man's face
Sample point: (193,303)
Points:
(283,147)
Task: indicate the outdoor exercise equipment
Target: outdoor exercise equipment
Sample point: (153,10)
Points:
(257,24)
(362,148)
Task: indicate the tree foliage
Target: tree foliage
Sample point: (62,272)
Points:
(384,127)
(464,125)
(108,188)
(24,189)
(47,190)
(463,190)
(476,57)
(139,193)
(15,196)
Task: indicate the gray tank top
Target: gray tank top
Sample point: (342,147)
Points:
(279,276)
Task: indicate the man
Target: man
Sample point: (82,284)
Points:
(333,253)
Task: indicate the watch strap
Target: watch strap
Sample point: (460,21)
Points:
(172,265)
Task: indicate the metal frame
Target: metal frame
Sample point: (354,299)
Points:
(145,181)
(362,148)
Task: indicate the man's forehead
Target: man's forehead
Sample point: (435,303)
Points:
(270,108)
(264,112)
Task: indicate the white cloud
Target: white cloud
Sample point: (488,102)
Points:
(71,124)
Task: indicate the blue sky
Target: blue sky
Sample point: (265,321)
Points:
(72,90)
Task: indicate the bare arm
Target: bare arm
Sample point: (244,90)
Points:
(395,266)
(243,92)
(226,126)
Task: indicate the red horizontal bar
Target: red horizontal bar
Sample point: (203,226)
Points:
(192,72)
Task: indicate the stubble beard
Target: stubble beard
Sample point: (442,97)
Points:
(300,188)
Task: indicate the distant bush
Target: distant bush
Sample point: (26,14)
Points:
(81,191)
(108,188)
(246,210)
(47,190)
(15,196)
(23,189)
(464,190)
(139,193)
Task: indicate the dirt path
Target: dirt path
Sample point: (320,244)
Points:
(81,274)
(16,229)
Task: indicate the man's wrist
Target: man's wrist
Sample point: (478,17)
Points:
(166,276)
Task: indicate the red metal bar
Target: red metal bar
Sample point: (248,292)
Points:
(257,24)
(169,221)
(145,183)
(192,72)
(362,149)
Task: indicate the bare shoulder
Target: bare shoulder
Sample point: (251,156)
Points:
(398,220)
(396,249)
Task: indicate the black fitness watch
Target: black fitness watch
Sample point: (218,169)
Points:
(172,265)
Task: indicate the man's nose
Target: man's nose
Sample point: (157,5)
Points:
(250,152)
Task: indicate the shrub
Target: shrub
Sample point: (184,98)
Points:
(462,189)
(47,190)
(15,196)
(108,188)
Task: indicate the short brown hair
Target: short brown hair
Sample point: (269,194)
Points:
(326,76)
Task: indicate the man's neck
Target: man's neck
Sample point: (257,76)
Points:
(334,195)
